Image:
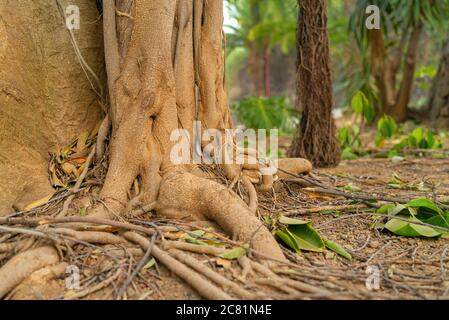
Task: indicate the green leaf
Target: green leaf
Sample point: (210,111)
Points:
(288,239)
(386,126)
(347,154)
(440,220)
(337,249)
(291,221)
(351,188)
(235,253)
(150,264)
(391,209)
(409,229)
(197,233)
(424,203)
(307,238)
(357,102)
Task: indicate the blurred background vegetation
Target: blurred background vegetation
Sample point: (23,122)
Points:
(386,82)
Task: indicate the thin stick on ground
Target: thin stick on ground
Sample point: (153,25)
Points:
(139,267)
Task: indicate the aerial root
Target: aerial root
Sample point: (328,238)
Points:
(103,132)
(252,194)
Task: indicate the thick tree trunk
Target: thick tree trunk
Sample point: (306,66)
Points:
(439,94)
(316,139)
(164,62)
(171,74)
(45,97)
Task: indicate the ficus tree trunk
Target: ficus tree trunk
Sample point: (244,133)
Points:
(165,67)
(439,94)
(316,138)
(45,98)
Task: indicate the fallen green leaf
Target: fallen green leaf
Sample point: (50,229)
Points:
(150,264)
(337,249)
(288,239)
(410,229)
(291,221)
(235,253)
(307,238)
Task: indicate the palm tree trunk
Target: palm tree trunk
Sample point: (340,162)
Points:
(316,139)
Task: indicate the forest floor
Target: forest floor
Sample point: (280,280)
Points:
(404,268)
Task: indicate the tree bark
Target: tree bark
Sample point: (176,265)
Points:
(399,109)
(45,98)
(171,74)
(316,139)
(439,94)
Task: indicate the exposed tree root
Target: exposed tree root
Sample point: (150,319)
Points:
(204,287)
(41,284)
(90,236)
(212,275)
(214,251)
(23,265)
(205,199)
(78,295)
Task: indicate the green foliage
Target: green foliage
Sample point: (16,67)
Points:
(350,187)
(300,235)
(235,61)
(266,113)
(331,245)
(386,129)
(406,220)
(398,18)
(361,106)
(420,138)
(235,253)
(349,138)
(397,182)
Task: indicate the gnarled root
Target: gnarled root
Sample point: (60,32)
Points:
(41,284)
(23,265)
(185,195)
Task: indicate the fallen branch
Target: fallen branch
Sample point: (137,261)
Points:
(326,208)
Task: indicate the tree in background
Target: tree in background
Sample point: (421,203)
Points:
(316,139)
(389,53)
(439,93)
(261,26)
